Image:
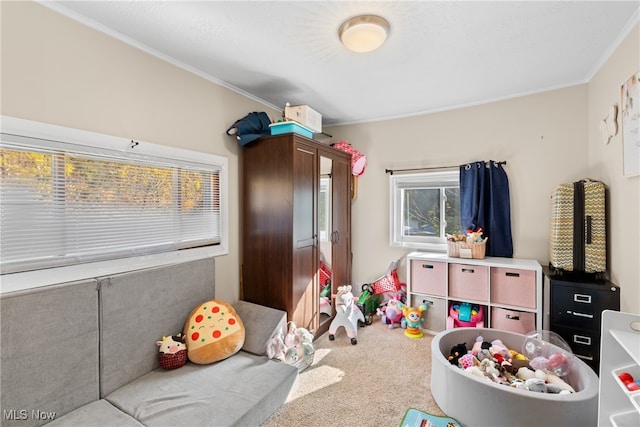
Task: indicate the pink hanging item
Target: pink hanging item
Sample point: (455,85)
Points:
(358,160)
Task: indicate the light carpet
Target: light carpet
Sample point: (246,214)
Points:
(371,383)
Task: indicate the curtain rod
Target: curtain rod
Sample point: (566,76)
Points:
(392,171)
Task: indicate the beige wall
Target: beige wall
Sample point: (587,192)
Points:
(57,71)
(605,163)
(546,139)
(542,137)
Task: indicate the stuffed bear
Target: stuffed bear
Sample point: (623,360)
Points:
(457,351)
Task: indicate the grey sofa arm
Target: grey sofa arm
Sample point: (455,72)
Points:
(261,324)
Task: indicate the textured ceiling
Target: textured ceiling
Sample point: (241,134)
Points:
(439,55)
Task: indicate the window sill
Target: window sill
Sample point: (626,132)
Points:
(423,247)
(51,276)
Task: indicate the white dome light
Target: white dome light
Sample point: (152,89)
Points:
(364,33)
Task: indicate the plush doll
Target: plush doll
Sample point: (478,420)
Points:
(172,353)
(412,320)
(276,348)
(457,351)
(474,236)
(391,313)
(467,360)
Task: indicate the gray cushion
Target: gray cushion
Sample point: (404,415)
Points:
(49,350)
(243,390)
(260,324)
(99,414)
(138,308)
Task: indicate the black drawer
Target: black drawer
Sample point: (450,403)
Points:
(585,344)
(581,304)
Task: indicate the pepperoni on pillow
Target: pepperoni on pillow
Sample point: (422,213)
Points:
(213,332)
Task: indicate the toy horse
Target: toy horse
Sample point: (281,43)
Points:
(347,315)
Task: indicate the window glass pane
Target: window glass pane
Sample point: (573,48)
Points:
(422,212)
(424,208)
(452,210)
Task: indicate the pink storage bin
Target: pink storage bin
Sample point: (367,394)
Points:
(469,282)
(515,287)
(520,322)
(429,277)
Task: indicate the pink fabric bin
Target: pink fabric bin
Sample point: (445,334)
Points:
(520,322)
(513,287)
(469,282)
(429,277)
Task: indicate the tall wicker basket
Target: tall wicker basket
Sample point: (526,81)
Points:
(467,250)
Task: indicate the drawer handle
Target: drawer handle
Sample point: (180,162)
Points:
(584,357)
(582,298)
(575,313)
(581,339)
(428,266)
(508,274)
(510,317)
(468,270)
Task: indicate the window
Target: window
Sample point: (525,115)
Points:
(424,208)
(91,197)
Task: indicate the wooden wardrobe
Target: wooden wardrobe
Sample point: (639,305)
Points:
(296,210)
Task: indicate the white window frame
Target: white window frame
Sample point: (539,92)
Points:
(36,278)
(397,182)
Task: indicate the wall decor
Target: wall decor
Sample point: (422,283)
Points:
(609,125)
(630,117)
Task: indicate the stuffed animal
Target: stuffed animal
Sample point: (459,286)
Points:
(467,360)
(391,313)
(276,347)
(412,320)
(457,351)
(474,236)
(172,353)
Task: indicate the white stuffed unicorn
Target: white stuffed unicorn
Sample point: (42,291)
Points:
(347,314)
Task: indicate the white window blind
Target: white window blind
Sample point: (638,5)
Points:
(65,203)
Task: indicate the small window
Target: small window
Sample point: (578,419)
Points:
(67,203)
(425,207)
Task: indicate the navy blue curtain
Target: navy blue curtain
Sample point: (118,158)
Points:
(484,203)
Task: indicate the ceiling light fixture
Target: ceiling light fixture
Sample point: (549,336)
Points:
(364,33)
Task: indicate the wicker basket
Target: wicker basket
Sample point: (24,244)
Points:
(467,250)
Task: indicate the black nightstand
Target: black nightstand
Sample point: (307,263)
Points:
(576,306)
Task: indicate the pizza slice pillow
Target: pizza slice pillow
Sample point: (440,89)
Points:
(213,332)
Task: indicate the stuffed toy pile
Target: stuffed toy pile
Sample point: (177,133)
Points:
(494,362)
(294,348)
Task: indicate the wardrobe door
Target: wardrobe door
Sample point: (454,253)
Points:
(304,289)
(341,221)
